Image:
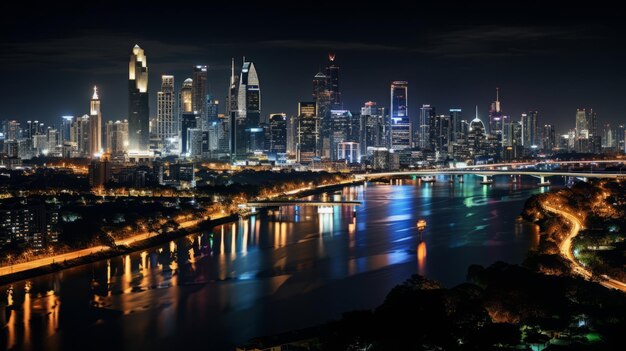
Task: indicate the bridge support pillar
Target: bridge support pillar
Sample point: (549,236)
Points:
(543,181)
(486,180)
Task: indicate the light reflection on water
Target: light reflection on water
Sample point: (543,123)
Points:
(270,273)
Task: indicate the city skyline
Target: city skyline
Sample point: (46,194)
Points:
(542,70)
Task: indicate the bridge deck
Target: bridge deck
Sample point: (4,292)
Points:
(276,203)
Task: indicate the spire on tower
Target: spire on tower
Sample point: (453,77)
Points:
(497,94)
(95,93)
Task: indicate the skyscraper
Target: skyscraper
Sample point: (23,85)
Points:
(186,97)
(278,133)
(199,94)
(116,137)
(582,127)
(456,129)
(138,107)
(495,117)
(529,129)
(399,123)
(321,96)
(167,123)
(424,137)
(66,126)
(95,124)
(307,137)
(332,82)
(549,138)
(249,110)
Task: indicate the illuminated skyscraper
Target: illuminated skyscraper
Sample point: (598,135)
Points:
(495,117)
(529,129)
(249,111)
(582,127)
(95,125)
(332,82)
(321,96)
(186,97)
(426,131)
(307,144)
(117,137)
(66,126)
(399,123)
(167,123)
(138,107)
(199,93)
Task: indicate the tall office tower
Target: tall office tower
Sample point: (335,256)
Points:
(33,128)
(11,129)
(232,109)
(321,96)
(595,138)
(80,135)
(529,129)
(592,123)
(399,122)
(188,121)
(166,122)
(476,137)
(292,135)
(549,138)
(185,104)
(307,132)
(423,135)
(618,135)
(372,127)
(116,137)
(495,117)
(249,111)
(200,94)
(278,133)
(456,129)
(66,126)
(582,127)
(95,125)
(514,150)
(341,126)
(608,136)
(441,133)
(332,82)
(138,107)
(213,108)
(52,136)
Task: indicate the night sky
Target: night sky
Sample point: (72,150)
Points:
(547,58)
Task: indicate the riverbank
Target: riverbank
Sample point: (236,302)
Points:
(90,255)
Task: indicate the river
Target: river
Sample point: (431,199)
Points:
(271,273)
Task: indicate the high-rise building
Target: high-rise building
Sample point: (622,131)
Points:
(424,135)
(349,151)
(307,135)
(495,117)
(66,126)
(138,106)
(11,129)
(185,99)
(399,123)
(529,129)
(332,82)
(372,127)
(200,94)
(188,121)
(322,98)
(95,125)
(549,138)
(100,171)
(249,110)
(116,137)
(582,127)
(456,129)
(79,135)
(166,123)
(278,133)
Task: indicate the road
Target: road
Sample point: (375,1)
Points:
(566,249)
(19,267)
